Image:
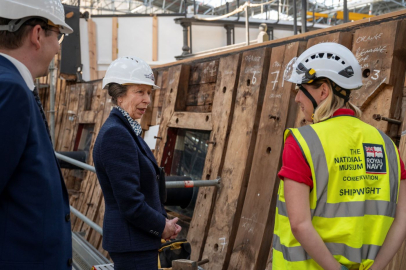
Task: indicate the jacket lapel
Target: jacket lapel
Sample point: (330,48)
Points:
(141,145)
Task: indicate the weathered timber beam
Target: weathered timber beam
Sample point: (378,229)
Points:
(191,120)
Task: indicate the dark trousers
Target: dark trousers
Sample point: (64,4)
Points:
(137,260)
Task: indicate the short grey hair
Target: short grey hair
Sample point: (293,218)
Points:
(116,90)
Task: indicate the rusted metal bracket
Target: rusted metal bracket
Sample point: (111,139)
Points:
(379,117)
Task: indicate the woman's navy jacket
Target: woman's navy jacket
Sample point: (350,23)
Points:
(134,217)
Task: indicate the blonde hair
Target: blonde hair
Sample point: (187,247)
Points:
(332,103)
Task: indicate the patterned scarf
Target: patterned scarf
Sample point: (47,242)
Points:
(134,124)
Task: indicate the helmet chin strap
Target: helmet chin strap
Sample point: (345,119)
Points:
(309,96)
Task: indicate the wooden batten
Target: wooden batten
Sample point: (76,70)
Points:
(155,38)
(114,39)
(91,28)
(191,120)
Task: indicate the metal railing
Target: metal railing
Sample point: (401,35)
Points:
(172,184)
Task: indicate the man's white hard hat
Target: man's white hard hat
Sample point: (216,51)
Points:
(326,60)
(51,10)
(129,70)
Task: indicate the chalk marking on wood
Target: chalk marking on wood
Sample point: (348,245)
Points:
(368,38)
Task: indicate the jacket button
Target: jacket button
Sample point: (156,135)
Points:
(67,217)
(70,262)
(157,177)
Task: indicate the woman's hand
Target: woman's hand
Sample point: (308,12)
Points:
(171,229)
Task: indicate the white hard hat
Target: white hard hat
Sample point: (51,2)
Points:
(326,60)
(129,70)
(51,10)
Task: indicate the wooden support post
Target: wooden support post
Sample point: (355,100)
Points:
(155,38)
(255,230)
(91,29)
(238,160)
(147,118)
(162,81)
(114,38)
(178,79)
(223,105)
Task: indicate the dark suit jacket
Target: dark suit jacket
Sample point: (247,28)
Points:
(134,218)
(35,231)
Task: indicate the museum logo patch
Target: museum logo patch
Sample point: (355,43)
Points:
(375,161)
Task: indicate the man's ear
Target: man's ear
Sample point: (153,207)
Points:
(325,91)
(34,36)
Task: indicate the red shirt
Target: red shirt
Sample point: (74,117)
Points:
(294,165)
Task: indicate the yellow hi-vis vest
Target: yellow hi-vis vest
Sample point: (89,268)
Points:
(356,176)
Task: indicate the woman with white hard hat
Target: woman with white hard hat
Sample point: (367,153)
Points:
(338,200)
(134,219)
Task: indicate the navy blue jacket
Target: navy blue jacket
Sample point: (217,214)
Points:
(134,217)
(35,231)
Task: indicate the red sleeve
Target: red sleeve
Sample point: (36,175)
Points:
(402,168)
(294,165)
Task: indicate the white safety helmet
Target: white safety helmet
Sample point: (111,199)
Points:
(129,70)
(326,60)
(16,10)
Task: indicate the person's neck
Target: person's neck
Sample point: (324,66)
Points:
(24,57)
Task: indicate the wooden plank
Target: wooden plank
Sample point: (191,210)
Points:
(223,105)
(114,39)
(240,149)
(379,50)
(146,119)
(178,78)
(91,30)
(190,120)
(343,38)
(199,109)
(154,103)
(155,38)
(162,81)
(59,111)
(255,230)
(205,72)
(200,94)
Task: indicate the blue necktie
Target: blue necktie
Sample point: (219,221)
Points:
(36,96)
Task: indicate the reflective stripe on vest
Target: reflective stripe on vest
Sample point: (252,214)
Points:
(295,254)
(378,207)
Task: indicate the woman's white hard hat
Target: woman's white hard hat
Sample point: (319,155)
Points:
(51,10)
(129,70)
(326,60)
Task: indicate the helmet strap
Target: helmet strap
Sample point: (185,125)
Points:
(337,90)
(14,25)
(309,96)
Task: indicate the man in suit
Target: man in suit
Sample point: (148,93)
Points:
(35,231)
